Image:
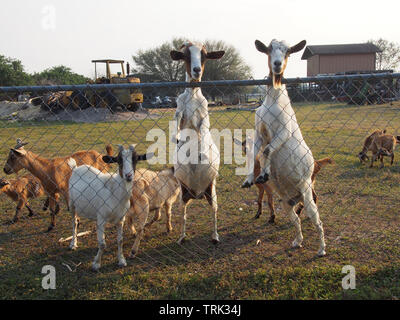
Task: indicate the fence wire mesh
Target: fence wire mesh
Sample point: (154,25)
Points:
(358,205)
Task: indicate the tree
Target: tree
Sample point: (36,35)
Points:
(59,75)
(12,73)
(159,64)
(389,58)
(230,67)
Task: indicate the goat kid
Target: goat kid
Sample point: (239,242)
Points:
(21,190)
(197,178)
(286,161)
(52,173)
(103,197)
(152,191)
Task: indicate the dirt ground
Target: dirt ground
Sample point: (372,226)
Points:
(25,111)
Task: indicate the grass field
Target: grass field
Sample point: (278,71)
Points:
(359,207)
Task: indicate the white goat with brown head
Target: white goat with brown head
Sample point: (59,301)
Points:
(286,160)
(197,176)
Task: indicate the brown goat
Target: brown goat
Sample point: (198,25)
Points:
(152,191)
(383,145)
(362,155)
(265,188)
(54,173)
(20,190)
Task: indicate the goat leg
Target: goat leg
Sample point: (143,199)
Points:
(46,204)
(31,212)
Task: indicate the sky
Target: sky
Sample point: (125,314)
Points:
(46,33)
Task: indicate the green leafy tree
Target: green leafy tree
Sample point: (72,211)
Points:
(158,63)
(389,58)
(59,75)
(12,73)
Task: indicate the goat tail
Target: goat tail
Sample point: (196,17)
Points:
(72,163)
(109,150)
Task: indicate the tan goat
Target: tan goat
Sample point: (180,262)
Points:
(20,190)
(362,155)
(54,173)
(383,145)
(152,191)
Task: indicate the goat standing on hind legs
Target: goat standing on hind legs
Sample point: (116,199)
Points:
(286,160)
(247,147)
(196,174)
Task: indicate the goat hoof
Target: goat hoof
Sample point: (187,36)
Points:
(181,241)
(215,241)
(72,248)
(321,253)
(271,220)
(262,179)
(51,227)
(122,263)
(133,254)
(296,245)
(246,184)
(257,216)
(96,267)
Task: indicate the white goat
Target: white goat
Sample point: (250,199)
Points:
(197,180)
(286,161)
(103,197)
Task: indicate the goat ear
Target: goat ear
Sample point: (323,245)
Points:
(177,55)
(110,159)
(146,156)
(19,152)
(214,55)
(261,47)
(297,47)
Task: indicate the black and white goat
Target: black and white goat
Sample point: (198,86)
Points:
(103,197)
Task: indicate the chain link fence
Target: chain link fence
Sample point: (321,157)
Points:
(358,205)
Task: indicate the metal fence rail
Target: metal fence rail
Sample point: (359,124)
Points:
(335,114)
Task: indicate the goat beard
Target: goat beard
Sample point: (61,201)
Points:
(277,80)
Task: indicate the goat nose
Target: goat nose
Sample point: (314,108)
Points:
(128,176)
(197,69)
(277,63)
